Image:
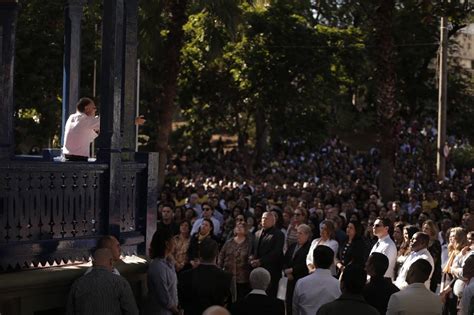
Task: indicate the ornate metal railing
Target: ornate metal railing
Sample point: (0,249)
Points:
(53,213)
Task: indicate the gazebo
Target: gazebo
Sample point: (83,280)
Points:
(52,213)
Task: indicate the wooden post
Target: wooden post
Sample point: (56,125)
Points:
(8,20)
(72,58)
(442,99)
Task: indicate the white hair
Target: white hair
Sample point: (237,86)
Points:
(260,278)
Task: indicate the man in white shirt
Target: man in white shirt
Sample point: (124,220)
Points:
(207,213)
(318,288)
(385,244)
(418,245)
(82,128)
(416,298)
(467,302)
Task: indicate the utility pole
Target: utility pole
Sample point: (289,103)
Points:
(442,99)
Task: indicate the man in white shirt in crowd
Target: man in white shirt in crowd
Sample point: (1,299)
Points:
(207,213)
(82,128)
(416,298)
(318,288)
(385,244)
(467,302)
(419,250)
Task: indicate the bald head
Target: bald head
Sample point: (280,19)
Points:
(216,310)
(103,258)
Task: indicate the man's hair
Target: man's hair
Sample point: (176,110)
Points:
(323,256)
(82,103)
(420,271)
(208,250)
(158,242)
(260,278)
(105,241)
(169,205)
(354,278)
(379,263)
(102,257)
(468,268)
(386,222)
(423,237)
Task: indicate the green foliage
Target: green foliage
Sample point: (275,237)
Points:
(463,158)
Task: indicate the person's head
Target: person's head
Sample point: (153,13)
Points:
(354,229)
(408,232)
(86,106)
(470,238)
(103,258)
(381,227)
(207,227)
(398,232)
(299,216)
(327,230)
(259,279)
(167,213)
(216,310)
(110,242)
(376,265)
(303,234)
(323,257)
(430,228)
(457,238)
(240,229)
(161,243)
(468,268)
(268,220)
(193,199)
(185,228)
(419,241)
(240,219)
(208,250)
(419,271)
(207,210)
(353,279)
(467,221)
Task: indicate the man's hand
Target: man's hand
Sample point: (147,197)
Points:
(140,120)
(255,263)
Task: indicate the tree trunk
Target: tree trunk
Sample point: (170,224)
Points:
(166,100)
(387,106)
(260,126)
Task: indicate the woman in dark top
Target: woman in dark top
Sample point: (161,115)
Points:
(206,230)
(353,250)
(294,265)
(434,247)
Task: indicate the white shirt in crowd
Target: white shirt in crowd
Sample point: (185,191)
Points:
(386,246)
(79,132)
(313,291)
(412,257)
(467,296)
(414,299)
(333,244)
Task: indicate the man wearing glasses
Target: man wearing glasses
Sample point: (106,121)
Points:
(207,213)
(385,244)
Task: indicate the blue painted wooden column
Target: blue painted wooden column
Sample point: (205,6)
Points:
(109,140)
(8,20)
(72,58)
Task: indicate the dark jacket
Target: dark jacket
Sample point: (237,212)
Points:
(356,253)
(258,304)
(378,291)
(348,304)
(204,286)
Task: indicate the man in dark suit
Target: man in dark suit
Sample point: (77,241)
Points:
(378,291)
(257,302)
(205,285)
(268,251)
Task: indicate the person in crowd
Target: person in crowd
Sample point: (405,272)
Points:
(416,298)
(216,310)
(318,288)
(207,213)
(298,218)
(327,231)
(193,203)
(378,290)
(466,306)
(233,258)
(167,219)
(434,247)
(257,302)
(101,291)
(181,245)
(385,244)
(451,271)
(398,234)
(351,300)
(161,278)
(205,285)
(353,250)
(110,242)
(294,265)
(268,250)
(405,250)
(82,128)
(419,250)
(205,232)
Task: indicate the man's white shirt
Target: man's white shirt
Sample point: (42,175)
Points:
(386,246)
(79,132)
(414,256)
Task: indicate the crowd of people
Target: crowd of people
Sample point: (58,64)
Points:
(308,233)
